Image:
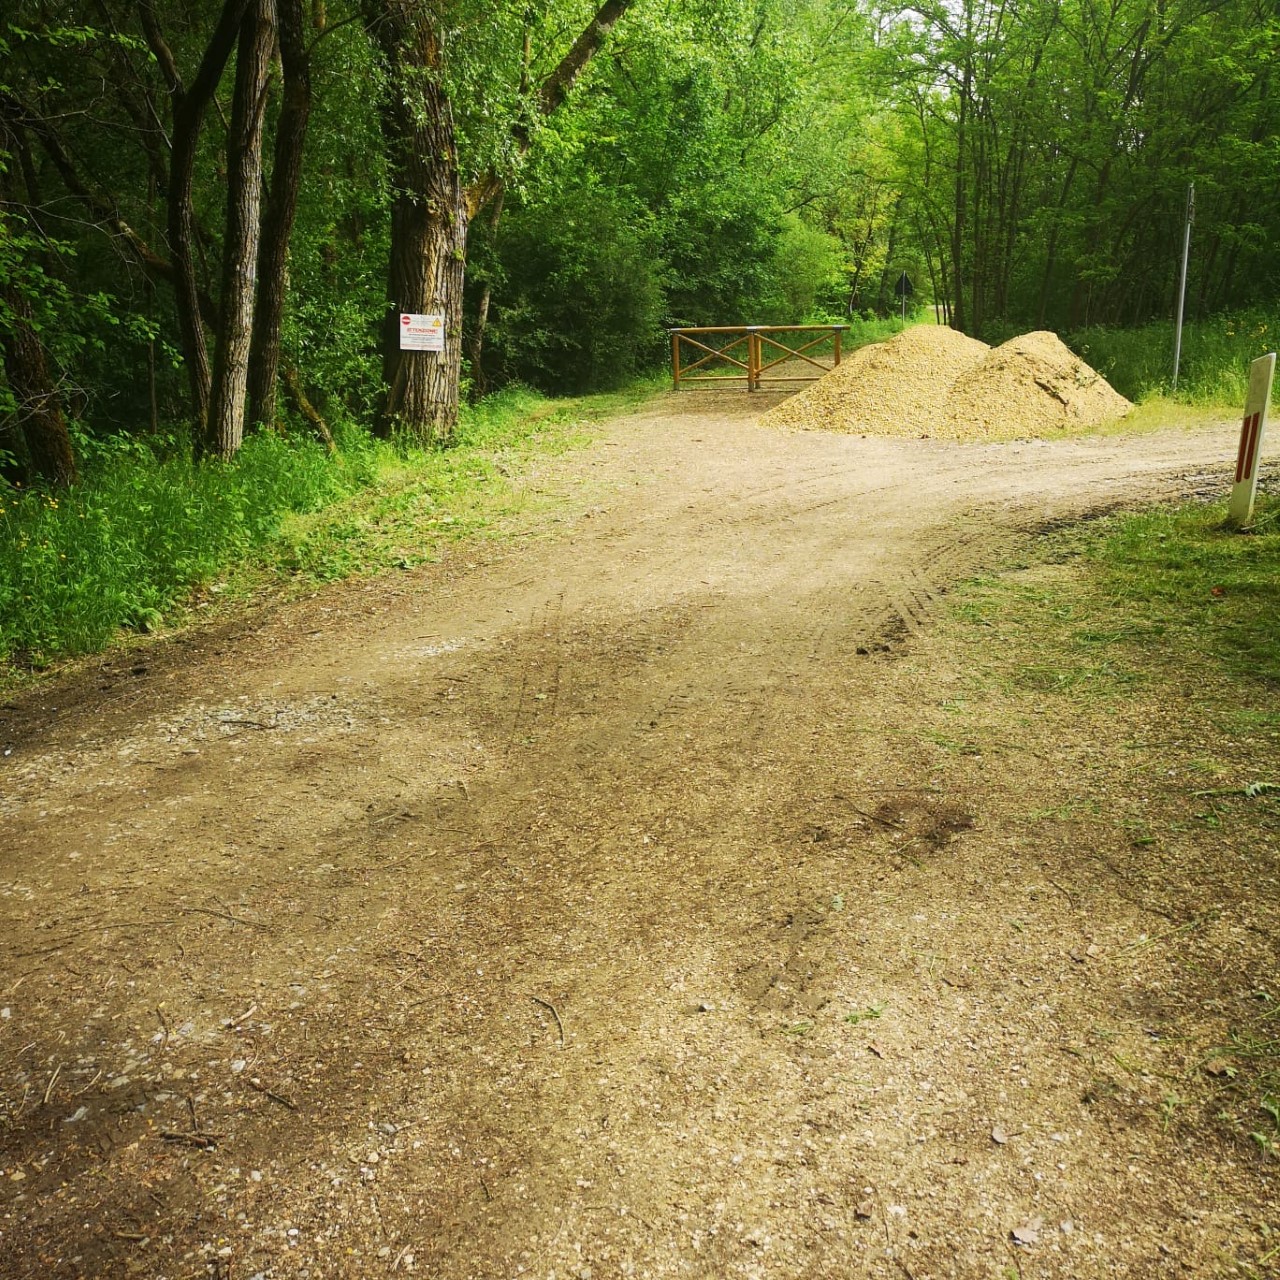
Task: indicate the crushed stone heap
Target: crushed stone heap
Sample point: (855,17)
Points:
(889,388)
(1030,384)
(934,381)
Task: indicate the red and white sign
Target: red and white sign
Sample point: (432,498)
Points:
(421,333)
(1256,403)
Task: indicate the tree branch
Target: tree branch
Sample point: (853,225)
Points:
(560,82)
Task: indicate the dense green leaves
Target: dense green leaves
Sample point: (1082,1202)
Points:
(717,161)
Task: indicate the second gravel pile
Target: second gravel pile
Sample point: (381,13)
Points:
(931,380)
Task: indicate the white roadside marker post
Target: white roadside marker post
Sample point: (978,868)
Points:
(1256,403)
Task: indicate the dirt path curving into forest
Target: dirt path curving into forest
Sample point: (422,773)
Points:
(586,905)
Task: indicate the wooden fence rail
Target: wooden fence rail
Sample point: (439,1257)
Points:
(743,347)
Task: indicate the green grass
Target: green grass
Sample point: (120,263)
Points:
(118,549)
(1215,361)
(1180,575)
(1174,610)
(423,500)
(127,548)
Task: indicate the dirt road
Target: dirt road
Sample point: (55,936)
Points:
(588,906)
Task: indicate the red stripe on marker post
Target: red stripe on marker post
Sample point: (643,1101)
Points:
(1248,447)
(1252,429)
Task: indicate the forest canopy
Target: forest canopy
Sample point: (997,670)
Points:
(211,214)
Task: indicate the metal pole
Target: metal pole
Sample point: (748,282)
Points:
(1182,283)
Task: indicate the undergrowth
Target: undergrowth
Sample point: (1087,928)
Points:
(1214,368)
(128,546)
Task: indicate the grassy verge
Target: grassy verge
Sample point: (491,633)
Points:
(1215,356)
(129,547)
(1141,656)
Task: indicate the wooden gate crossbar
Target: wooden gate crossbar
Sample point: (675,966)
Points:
(755,366)
(715,352)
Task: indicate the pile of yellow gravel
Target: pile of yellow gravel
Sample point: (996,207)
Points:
(933,381)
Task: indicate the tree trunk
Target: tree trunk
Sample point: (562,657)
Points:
(36,436)
(432,206)
(189,106)
(41,426)
(959,227)
(282,207)
(428,258)
(429,223)
(475,347)
(244,230)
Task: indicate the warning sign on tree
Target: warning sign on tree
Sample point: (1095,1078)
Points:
(421,333)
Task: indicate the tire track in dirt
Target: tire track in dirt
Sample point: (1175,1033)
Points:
(666,827)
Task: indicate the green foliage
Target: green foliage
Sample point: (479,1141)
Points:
(123,547)
(1216,354)
(581,299)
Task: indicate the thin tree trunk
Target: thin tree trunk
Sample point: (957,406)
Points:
(189,106)
(244,231)
(959,226)
(475,348)
(282,207)
(293,385)
(37,435)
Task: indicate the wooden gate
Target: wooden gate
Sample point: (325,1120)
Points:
(754,349)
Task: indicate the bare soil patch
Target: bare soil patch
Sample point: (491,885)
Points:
(630,900)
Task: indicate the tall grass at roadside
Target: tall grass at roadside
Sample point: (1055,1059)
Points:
(118,549)
(128,546)
(1216,353)
(424,499)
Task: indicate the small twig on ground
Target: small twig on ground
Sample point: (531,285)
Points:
(95,928)
(255,1083)
(252,1009)
(555,1013)
(53,1079)
(202,1141)
(875,817)
(1066,894)
(90,1084)
(224,915)
(164,1025)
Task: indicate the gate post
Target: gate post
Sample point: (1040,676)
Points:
(675,359)
(753,359)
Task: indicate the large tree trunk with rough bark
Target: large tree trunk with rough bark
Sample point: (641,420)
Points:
(429,223)
(244,231)
(433,205)
(282,207)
